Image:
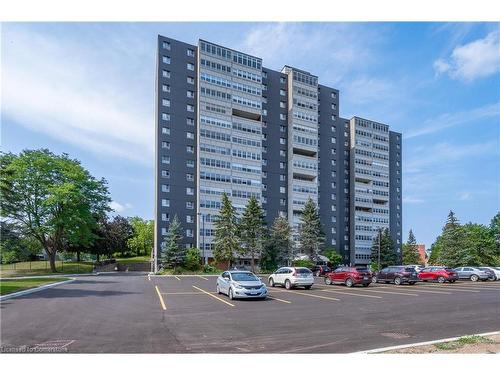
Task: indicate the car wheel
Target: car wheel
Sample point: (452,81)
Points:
(307,286)
(288,284)
(441,279)
(230,294)
(271,282)
(328,281)
(397,281)
(318,274)
(474,278)
(218,289)
(374,279)
(349,282)
(452,281)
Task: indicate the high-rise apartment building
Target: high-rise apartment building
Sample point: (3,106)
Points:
(226,124)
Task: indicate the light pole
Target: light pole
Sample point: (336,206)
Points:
(379,240)
(203,236)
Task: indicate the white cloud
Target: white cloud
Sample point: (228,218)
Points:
(477,59)
(443,153)
(75,93)
(412,200)
(448,120)
(118,207)
(464,196)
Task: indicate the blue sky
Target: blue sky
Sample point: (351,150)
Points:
(88,89)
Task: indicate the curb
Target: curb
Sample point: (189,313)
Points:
(33,290)
(387,348)
(50,276)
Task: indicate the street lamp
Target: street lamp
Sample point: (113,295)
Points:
(203,236)
(379,240)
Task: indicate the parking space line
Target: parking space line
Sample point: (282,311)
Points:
(181,293)
(312,295)
(278,299)
(351,294)
(458,289)
(177,278)
(211,295)
(202,277)
(386,292)
(161,298)
(417,288)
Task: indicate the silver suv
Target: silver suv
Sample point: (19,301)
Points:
(472,273)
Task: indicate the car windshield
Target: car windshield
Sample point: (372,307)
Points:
(244,276)
(409,269)
(303,270)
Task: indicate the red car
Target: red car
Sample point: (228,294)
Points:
(439,274)
(349,276)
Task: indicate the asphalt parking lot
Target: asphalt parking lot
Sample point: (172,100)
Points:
(134,313)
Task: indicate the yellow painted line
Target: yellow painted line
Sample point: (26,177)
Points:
(351,294)
(278,299)
(161,298)
(177,278)
(211,295)
(201,277)
(312,295)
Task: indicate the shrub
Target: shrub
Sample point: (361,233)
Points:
(210,268)
(303,263)
(193,259)
(334,257)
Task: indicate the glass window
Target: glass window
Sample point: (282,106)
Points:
(190,66)
(190,80)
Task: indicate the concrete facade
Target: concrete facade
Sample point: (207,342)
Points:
(225,123)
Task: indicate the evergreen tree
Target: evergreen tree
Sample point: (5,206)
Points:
(410,250)
(388,256)
(436,252)
(278,250)
(251,231)
(173,254)
(310,232)
(226,232)
(453,252)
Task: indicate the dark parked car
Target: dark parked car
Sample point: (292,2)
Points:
(320,270)
(397,275)
(439,274)
(349,276)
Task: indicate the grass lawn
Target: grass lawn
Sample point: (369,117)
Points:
(39,268)
(139,259)
(11,286)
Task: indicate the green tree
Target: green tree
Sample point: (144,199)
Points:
(410,250)
(453,252)
(278,250)
(226,242)
(120,231)
(173,254)
(480,245)
(193,259)
(388,256)
(435,256)
(334,257)
(142,240)
(310,231)
(251,230)
(51,198)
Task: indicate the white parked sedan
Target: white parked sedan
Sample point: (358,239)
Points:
(291,277)
(241,284)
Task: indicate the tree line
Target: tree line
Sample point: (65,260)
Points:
(248,236)
(51,203)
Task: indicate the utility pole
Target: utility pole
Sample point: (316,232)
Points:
(203,236)
(379,244)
